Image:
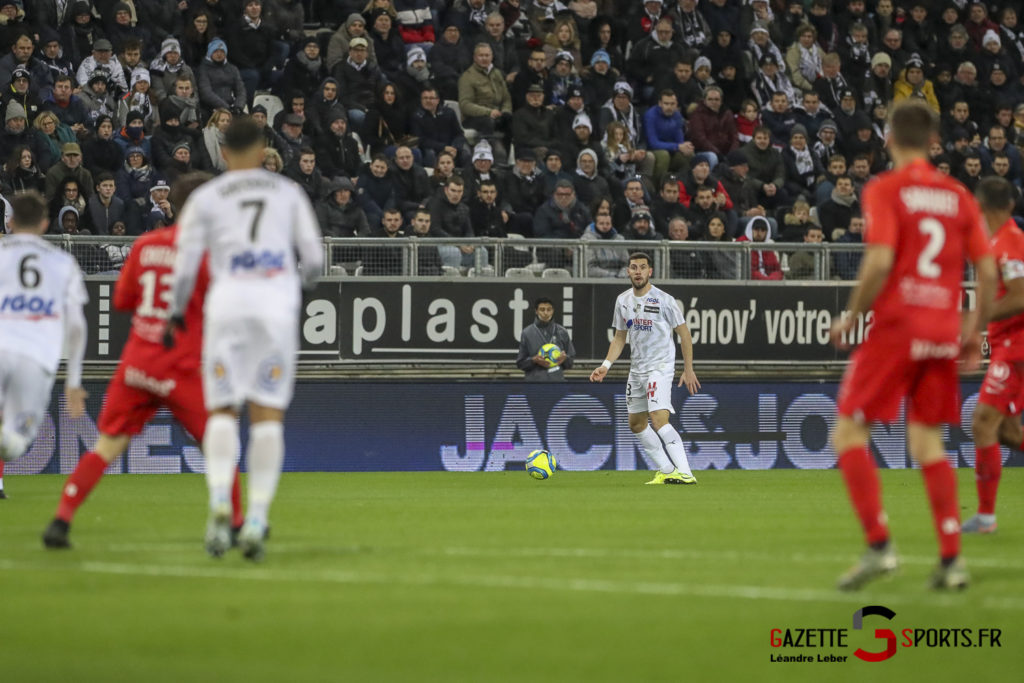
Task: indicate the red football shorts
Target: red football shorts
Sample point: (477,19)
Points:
(1003,388)
(133,396)
(882,373)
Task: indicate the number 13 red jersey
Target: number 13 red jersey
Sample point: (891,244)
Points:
(144,288)
(932,223)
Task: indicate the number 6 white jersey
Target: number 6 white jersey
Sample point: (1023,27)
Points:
(251,223)
(41,289)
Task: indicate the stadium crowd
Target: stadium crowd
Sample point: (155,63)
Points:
(595,119)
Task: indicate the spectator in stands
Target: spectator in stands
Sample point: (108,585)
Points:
(158,212)
(588,182)
(764,263)
(831,84)
(701,210)
(878,84)
(525,192)
(779,117)
(666,206)
(180,162)
(743,190)
(104,208)
(769,79)
(748,118)
(599,81)
(16,132)
(303,171)
(184,97)
(67,106)
(796,221)
(533,125)
(563,83)
(67,193)
(804,59)
(506,57)
(970,172)
(287,19)
(803,170)
(802,263)
(700,176)
(339,214)
(721,264)
(412,186)
(213,139)
(561,217)
(847,263)
(912,83)
(199,32)
(167,68)
(860,172)
(712,127)
(139,99)
(167,135)
(486,215)
(20,91)
(685,263)
(484,99)
(664,126)
(544,330)
(450,57)
(641,226)
(249,42)
(811,115)
(69,166)
(305,71)
(387,43)
(96,97)
(359,81)
(52,134)
(135,178)
(387,260)
(101,152)
(767,169)
(102,57)
(121,29)
(272,160)
(387,121)
(220,82)
(603,258)
(21,174)
(339,152)
(623,159)
(632,197)
(417,74)
(376,188)
(338,45)
(836,212)
(653,58)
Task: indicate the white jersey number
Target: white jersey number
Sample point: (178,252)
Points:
(148,308)
(926,265)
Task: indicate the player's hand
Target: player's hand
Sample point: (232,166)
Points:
(175,323)
(841,328)
(598,374)
(689,378)
(970,353)
(76,401)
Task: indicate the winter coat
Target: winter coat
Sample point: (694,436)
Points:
(712,132)
(341,221)
(220,85)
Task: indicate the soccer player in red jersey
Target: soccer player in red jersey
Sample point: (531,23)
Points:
(920,226)
(149,375)
(997,415)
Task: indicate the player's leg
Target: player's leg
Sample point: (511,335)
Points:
(2,494)
(265,457)
(639,424)
(986,424)
(25,392)
(925,444)
(672,441)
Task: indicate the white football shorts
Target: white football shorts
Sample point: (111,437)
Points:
(646,393)
(25,390)
(249,359)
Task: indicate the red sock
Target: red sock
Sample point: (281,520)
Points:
(237,515)
(861,476)
(2,463)
(941,484)
(79,484)
(988,465)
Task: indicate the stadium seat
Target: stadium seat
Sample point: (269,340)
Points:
(272,103)
(472,137)
(338,270)
(485,271)
(359,270)
(556,273)
(519,273)
(450,271)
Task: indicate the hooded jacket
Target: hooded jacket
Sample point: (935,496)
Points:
(220,84)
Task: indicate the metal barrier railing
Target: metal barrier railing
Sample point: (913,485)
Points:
(528,258)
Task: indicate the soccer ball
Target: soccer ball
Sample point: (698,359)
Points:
(551,352)
(541,464)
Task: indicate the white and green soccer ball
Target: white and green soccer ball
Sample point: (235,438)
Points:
(541,464)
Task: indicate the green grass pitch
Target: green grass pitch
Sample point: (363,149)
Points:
(427,577)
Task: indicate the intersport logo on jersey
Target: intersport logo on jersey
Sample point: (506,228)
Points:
(34,306)
(836,645)
(269,262)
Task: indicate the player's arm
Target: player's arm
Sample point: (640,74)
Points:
(191,244)
(74,338)
(689,377)
(126,290)
(874,271)
(1011,303)
(614,351)
(308,241)
(986,276)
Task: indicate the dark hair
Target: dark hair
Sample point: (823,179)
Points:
(913,125)
(131,44)
(14,160)
(378,156)
(307,150)
(419,210)
(995,194)
(185,185)
(489,182)
(455,180)
(641,256)
(102,177)
(542,300)
(394,210)
(762,129)
(61,78)
(667,93)
(28,209)
(243,133)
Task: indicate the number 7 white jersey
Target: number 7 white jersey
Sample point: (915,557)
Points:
(39,286)
(251,223)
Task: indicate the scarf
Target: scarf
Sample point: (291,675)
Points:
(692,33)
(251,23)
(357,67)
(478,16)
(312,65)
(420,75)
(810,63)
(770,49)
(804,162)
(843,201)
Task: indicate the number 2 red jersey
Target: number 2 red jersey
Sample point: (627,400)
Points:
(144,288)
(932,222)
(1006,337)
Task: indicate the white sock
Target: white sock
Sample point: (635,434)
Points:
(1,483)
(674,447)
(652,447)
(265,456)
(221,447)
(985,519)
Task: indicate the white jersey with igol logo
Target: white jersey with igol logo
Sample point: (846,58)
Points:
(649,321)
(39,284)
(251,223)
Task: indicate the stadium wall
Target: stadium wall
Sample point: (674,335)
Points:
(336,426)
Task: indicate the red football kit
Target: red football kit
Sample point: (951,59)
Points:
(1003,388)
(151,376)
(931,222)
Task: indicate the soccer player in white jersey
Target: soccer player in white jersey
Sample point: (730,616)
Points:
(41,300)
(251,222)
(649,318)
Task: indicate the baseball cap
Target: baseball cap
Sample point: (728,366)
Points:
(881,58)
(102,45)
(293,120)
(536,87)
(71,148)
(358,41)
